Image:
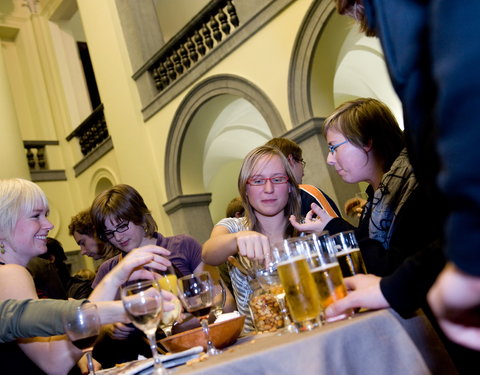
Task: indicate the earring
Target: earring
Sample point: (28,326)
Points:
(2,248)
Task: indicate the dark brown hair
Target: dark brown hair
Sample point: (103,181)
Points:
(287,146)
(356,10)
(82,223)
(235,206)
(367,121)
(121,203)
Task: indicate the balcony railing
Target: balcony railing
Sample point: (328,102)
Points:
(193,42)
(212,35)
(206,30)
(91,132)
(37,162)
(93,139)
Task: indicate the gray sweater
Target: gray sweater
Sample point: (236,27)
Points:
(31,318)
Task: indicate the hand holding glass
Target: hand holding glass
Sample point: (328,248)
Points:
(167,279)
(325,271)
(82,329)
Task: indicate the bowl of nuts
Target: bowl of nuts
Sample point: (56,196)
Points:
(222,334)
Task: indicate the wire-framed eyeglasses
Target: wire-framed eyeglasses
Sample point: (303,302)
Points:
(259,181)
(303,162)
(108,234)
(332,148)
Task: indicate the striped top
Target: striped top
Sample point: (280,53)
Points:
(241,287)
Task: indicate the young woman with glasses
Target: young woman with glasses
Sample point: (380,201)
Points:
(121,218)
(270,195)
(399,220)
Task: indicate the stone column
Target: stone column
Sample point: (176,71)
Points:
(12,153)
(189,214)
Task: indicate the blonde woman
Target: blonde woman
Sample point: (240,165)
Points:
(24,227)
(270,195)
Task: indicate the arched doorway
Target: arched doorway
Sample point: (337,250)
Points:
(216,125)
(332,62)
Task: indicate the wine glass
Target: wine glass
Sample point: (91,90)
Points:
(142,300)
(82,329)
(196,293)
(219,297)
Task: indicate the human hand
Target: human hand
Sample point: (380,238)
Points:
(253,245)
(118,331)
(134,264)
(455,301)
(363,291)
(83,365)
(311,223)
(354,206)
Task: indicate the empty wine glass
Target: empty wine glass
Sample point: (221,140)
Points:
(82,329)
(143,303)
(219,297)
(196,292)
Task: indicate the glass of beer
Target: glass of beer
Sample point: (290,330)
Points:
(301,293)
(326,272)
(348,253)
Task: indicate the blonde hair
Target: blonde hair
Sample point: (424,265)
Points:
(246,171)
(18,197)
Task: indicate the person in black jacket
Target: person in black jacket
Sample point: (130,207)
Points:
(433,64)
(366,144)
(400,232)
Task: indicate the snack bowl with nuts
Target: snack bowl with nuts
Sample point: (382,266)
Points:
(222,334)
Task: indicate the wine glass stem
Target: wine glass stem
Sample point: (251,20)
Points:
(91,368)
(158,368)
(284,311)
(167,329)
(206,331)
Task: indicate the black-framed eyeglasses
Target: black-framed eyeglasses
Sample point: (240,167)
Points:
(108,234)
(259,181)
(303,162)
(332,148)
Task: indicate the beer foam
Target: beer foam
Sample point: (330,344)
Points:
(292,260)
(325,267)
(348,251)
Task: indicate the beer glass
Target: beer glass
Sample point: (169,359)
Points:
(300,291)
(348,253)
(326,272)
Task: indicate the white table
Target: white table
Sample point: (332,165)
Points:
(378,342)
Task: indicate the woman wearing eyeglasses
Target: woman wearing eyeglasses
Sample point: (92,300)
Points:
(367,145)
(270,195)
(121,218)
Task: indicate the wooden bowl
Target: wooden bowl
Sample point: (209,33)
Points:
(222,334)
